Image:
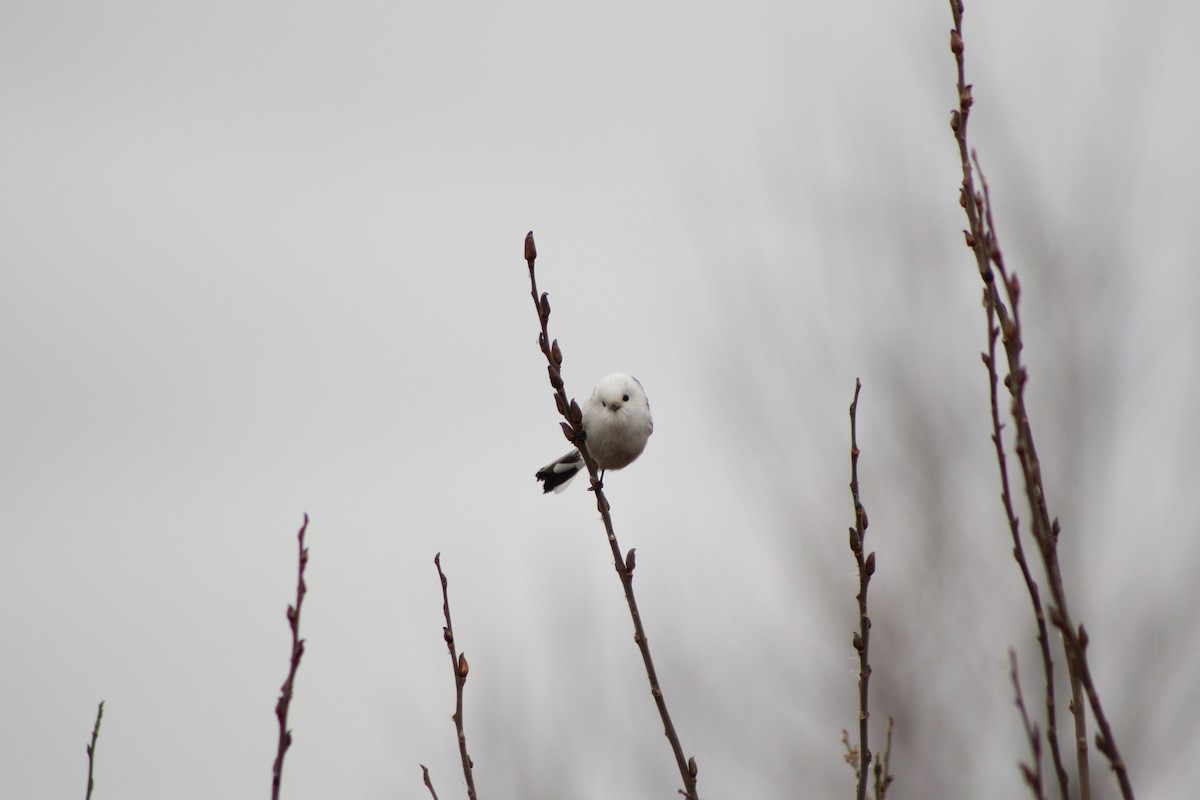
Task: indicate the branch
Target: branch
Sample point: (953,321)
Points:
(91,748)
(883,773)
(573,430)
(1031,586)
(428,783)
(981,238)
(862,639)
(458,663)
(1033,775)
(285,695)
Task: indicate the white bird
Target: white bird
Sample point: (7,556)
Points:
(616,424)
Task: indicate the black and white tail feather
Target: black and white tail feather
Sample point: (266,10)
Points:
(616,424)
(556,475)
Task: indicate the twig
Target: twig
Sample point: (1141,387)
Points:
(883,773)
(1045,532)
(428,783)
(1032,775)
(862,638)
(851,756)
(981,238)
(573,430)
(458,662)
(285,694)
(91,748)
(1014,525)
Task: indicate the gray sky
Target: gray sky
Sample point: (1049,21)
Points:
(261,259)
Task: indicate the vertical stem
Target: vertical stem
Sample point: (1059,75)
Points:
(866,566)
(91,748)
(428,782)
(981,238)
(459,664)
(285,695)
(573,429)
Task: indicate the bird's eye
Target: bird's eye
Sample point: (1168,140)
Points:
(625,398)
(604,404)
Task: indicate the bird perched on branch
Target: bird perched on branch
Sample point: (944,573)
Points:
(616,426)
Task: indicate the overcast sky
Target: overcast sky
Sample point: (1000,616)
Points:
(261,259)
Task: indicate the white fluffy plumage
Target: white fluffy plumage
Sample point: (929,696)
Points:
(617,424)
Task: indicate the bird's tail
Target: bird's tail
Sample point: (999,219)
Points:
(557,474)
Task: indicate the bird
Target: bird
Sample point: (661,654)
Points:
(616,425)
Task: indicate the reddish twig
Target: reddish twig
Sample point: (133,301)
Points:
(458,662)
(573,429)
(285,695)
(1014,525)
(428,783)
(883,773)
(1032,775)
(862,638)
(91,748)
(981,238)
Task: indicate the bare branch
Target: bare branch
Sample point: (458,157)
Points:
(1032,774)
(428,783)
(91,748)
(862,639)
(883,774)
(285,695)
(573,430)
(458,663)
(1003,302)
(1014,526)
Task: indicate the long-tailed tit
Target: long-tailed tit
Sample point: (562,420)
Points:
(616,424)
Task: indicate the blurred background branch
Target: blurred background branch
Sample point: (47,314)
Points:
(1031,772)
(981,238)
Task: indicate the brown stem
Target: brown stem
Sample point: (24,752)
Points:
(573,429)
(91,748)
(981,238)
(866,566)
(285,695)
(458,663)
(1043,635)
(883,774)
(1033,775)
(428,783)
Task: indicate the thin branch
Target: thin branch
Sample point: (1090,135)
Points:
(883,773)
(458,663)
(573,430)
(428,783)
(982,239)
(1045,532)
(851,756)
(91,748)
(285,694)
(866,567)
(1033,775)
(1014,525)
